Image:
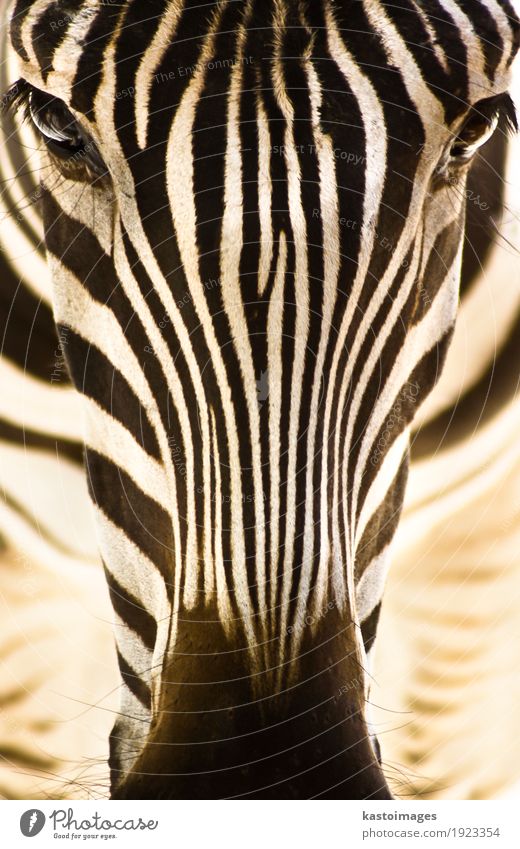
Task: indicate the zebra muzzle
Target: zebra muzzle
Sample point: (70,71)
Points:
(222,733)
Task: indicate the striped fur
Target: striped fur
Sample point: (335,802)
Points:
(253,304)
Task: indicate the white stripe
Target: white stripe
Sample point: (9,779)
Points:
(381,483)
(231,247)
(223,599)
(265,197)
(476,62)
(25,138)
(131,646)
(370,587)
(29,403)
(437,48)
(301,290)
(421,95)
(67,55)
(274,357)
(505,30)
(111,439)
(152,58)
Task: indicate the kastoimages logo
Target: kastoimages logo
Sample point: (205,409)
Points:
(32,822)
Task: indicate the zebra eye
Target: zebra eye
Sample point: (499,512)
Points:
(473,136)
(64,137)
(481,124)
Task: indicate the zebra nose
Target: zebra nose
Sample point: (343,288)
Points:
(333,768)
(215,737)
(207,755)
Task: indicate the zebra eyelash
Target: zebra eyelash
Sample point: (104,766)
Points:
(511,115)
(17,99)
(506,112)
(74,151)
(480,125)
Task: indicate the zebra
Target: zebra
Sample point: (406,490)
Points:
(254,224)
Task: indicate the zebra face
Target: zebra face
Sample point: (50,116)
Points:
(254,221)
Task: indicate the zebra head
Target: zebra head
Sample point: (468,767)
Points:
(254,216)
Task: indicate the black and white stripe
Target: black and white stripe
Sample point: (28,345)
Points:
(255,265)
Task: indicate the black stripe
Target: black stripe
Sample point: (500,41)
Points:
(486,29)
(134,683)
(369,628)
(90,65)
(131,612)
(451,87)
(78,248)
(144,521)
(51,30)
(58,446)
(28,334)
(97,378)
(20,12)
(381,528)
